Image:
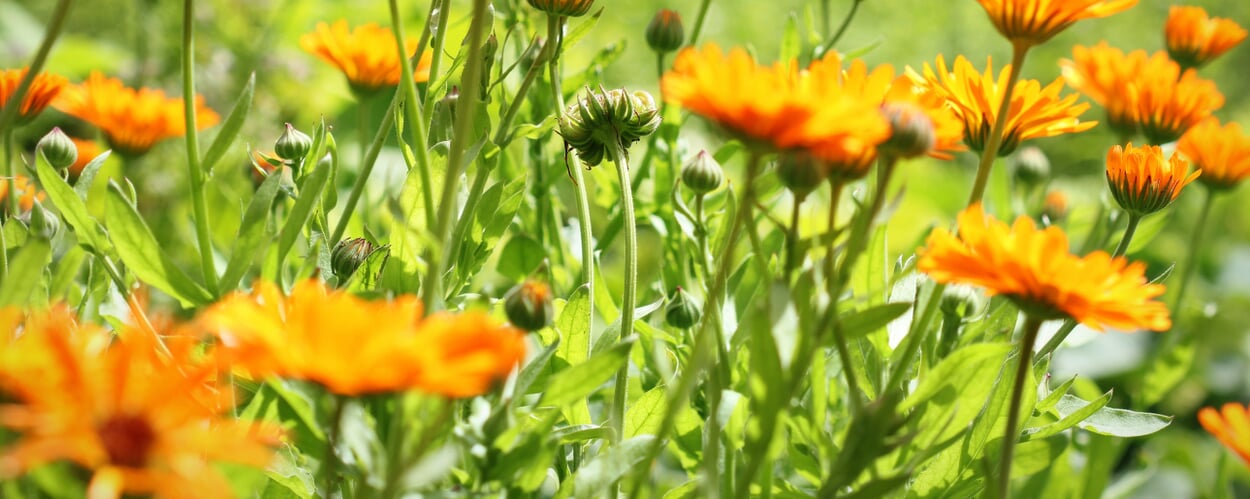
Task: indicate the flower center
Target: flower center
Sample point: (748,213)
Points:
(127,440)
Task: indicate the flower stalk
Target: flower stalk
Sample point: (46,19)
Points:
(1024,362)
(616,419)
(1019,50)
(196,174)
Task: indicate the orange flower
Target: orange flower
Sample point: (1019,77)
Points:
(1035,111)
(1035,270)
(1031,22)
(1142,182)
(1167,107)
(1223,153)
(325,336)
(144,424)
(132,120)
(1194,38)
(1230,425)
(1104,74)
(775,107)
(1054,207)
(367,55)
(43,89)
(26,192)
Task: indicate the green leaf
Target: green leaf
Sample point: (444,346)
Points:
(578,382)
(72,209)
(863,322)
(65,272)
(1114,422)
(251,232)
(574,327)
(25,274)
(791,44)
(137,246)
(520,256)
(87,176)
(535,368)
(1166,370)
(299,215)
(595,479)
(966,368)
(1048,398)
(1076,411)
(578,32)
(644,415)
(230,127)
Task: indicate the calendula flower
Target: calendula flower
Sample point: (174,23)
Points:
(1054,207)
(141,423)
(1194,38)
(1142,181)
(132,120)
(325,336)
(1104,74)
(1035,111)
(566,8)
(27,194)
(1230,425)
(1167,107)
(1035,270)
(43,89)
(367,54)
(1223,153)
(1032,22)
(775,107)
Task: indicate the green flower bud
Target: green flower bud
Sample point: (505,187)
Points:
(528,305)
(959,301)
(347,256)
(58,149)
(605,117)
(801,172)
(681,312)
(1030,167)
(911,134)
(665,32)
(293,145)
(43,224)
(702,174)
(566,8)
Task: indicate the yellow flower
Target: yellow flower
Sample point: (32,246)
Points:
(1142,182)
(132,120)
(367,55)
(27,194)
(142,423)
(775,107)
(1035,111)
(1194,38)
(566,8)
(43,89)
(1230,425)
(1167,107)
(325,336)
(1104,74)
(1223,153)
(1032,22)
(1035,270)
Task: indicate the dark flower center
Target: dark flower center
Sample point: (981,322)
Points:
(127,440)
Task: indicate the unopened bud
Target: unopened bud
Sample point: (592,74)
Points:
(801,172)
(528,305)
(566,8)
(348,255)
(911,134)
(293,145)
(1030,167)
(605,116)
(702,174)
(43,224)
(665,32)
(58,149)
(1055,207)
(681,312)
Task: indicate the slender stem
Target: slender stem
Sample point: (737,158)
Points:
(1191,259)
(440,38)
(616,418)
(698,23)
(330,461)
(700,236)
(197,175)
(12,207)
(792,236)
(1000,124)
(505,123)
(846,22)
(712,436)
(461,136)
(9,111)
(415,112)
(1122,248)
(1062,334)
(831,261)
(1012,433)
(366,168)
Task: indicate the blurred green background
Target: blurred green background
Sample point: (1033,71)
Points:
(138,40)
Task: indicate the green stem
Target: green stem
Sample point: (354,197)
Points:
(1191,259)
(1000,124)
(616,419)
(432,288)
(203,234)
(4,250)
(1023,364)
(370,160)
(330,461)
(700,236)
(505,123)
(792,236)
(698,23)
(12,207)
(440,38)
(846,22)
(831,261)
(414,111)
(1122,248)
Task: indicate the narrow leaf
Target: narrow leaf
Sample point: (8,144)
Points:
(231,126)
(578,382)
(251,232)
(142,253)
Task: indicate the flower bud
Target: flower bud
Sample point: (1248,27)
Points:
(801,172)
(681,312)
(1055,207)
(605,117)
(43,224)
(293,145)
(702,174)
(347,256)
(566,8)
(58,149)
(911,134)
(1030,167)
(665,32)
(528,305)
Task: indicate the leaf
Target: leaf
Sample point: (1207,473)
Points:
(299,215)
(251,232)
(137,246)
(577,33)
(230,127)
(520,256)
(25,273)
(535,368)
(72,209)
(1166,370)
(862,322)
(971,366)
(573,325)
(1114,422)
(1068,418)
(644,415)
(87,176)
(595,478)
(578,382)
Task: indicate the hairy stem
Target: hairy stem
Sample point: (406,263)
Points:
(616,418)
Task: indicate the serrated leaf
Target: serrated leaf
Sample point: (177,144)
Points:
(137,246)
